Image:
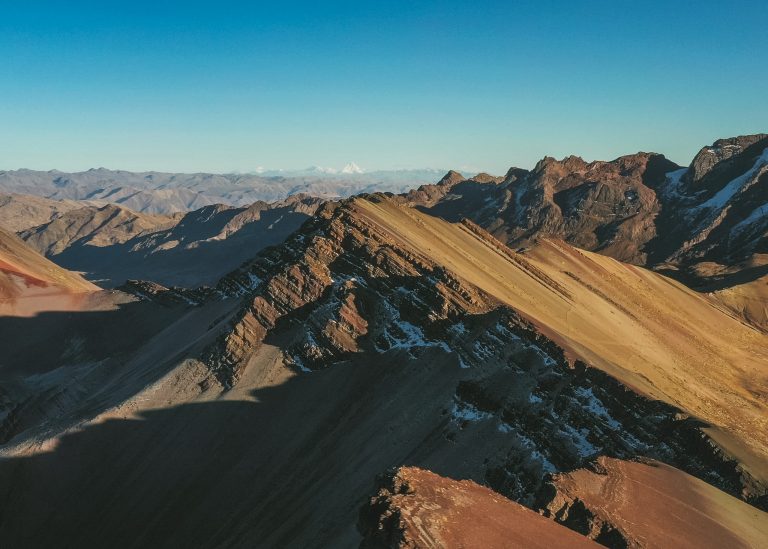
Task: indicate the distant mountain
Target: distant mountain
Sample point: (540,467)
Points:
(22,211)
(166,193)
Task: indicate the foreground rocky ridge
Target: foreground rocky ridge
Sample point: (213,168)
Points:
(416,508)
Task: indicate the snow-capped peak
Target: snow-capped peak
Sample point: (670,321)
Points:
(351,168)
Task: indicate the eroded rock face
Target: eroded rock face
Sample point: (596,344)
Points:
(417,508)
(603,206)
(717,210)
(324,278)
(713,158)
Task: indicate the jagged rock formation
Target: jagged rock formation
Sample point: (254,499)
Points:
(641,208)
(717,210)
(351,285)
(417,508)
(603,206)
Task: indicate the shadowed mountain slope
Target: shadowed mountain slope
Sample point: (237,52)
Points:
(111,244)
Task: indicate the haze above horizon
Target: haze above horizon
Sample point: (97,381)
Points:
(231,87)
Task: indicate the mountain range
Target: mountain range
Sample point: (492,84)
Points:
(168,193)
(571,355)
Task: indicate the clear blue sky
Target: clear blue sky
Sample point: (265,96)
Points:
(229,86)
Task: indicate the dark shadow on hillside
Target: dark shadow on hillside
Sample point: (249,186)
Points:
(287,465)
(60,369)
(717,282)
(49,340)
(187,255)
(466,199)
(288,470)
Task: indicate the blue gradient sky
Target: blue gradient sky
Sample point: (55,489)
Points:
(230,86)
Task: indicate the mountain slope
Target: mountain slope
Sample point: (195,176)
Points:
(604,206)
(30,283)
(627,321)
(92,226)
(23,270)
(653,505)
(22,211)
(641,208)
(375,336)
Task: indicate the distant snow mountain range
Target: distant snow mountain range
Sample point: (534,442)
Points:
(166,193)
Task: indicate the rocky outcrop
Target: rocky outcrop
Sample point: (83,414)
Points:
(713,162)
(603,206)
(717,210)
(417,508)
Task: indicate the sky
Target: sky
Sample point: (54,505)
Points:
(233,86)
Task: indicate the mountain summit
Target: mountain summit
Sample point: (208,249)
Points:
(352,168)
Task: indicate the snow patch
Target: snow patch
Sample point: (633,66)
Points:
(578,437)
(758,214)
(458,329)
(595,406)
(463,411)
(296,359)
(672,186)
(725,194)
(527,443)
(275,222)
